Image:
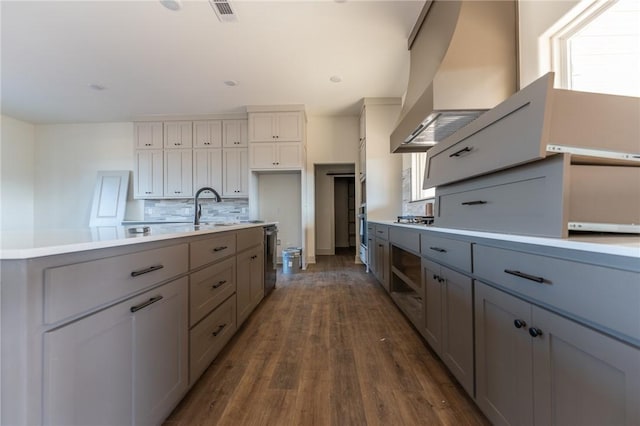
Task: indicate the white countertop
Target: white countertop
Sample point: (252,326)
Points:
(39,243)
(615,244)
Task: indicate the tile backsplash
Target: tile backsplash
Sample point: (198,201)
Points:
(229,210)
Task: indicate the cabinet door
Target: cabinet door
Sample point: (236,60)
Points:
(234,133)
(207,134)
(117,366)
(207,169)
(178,134)
(257,276)
(582,377)
(362,159)
(371,254)
(288,155)
(249,282)
(432,304)
(262,127)
(504,388)
(236,173)
(87,370)
(160,351)
(289,126)
(262,156)
(148,174)
(148,135)
(382,262)
(457,327)
(178,173)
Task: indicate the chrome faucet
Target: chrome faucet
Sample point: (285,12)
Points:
(198,207)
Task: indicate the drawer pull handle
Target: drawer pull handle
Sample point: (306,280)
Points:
(525,276)
(458,153)
(473,203)
(438,249)
(254,257)
(146,270)
(220,283)
(219,330)
(518,323)
(220,248)
(145,304)
(535,332)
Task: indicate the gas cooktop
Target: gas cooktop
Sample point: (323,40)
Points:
(417,220)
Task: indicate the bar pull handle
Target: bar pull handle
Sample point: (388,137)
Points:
(458,153)
(145,304)
(219,284)
(220,248)
(219,330)
(438,249)
(525,276)
(146,270)
(473,203)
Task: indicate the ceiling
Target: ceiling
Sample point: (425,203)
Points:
(155,61)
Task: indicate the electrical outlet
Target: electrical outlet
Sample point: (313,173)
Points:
(277,242)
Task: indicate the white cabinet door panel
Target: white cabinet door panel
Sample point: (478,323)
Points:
(207,170)
(262,156)
(207,134)
(289,155)
(148,135)
(261,127)
(178,174)
(289,126)
(236,173)
(234,133)
(148,174)
(178,134)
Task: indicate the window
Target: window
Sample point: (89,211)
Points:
(418,160)
(599,50)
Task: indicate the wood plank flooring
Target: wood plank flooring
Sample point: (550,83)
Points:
(327,347)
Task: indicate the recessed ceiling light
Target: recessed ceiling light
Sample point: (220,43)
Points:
(231,83)
(335,79)
(96,86)
(172,4)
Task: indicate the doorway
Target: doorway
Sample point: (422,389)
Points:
(335,205)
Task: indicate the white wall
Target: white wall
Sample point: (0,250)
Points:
(330,140)
(280,200)
(67,158)
(17,174)
(535,19)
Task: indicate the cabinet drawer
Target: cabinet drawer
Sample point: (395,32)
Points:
(605,298)
(72,289)
(524,200)
(404,237)
(210,287)
(382,232)
(212,249)
(519,129)
(209,337)
(249,238)
(452,252)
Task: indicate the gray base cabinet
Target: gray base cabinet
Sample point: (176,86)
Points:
(448,305)
(123,365)
(537,367)
(250,282)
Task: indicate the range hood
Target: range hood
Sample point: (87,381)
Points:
(463,62)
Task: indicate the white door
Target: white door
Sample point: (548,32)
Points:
(207,170)
(261,127)
(234,133)
(236,173)
(148,174)
(178,173)
(289,126)
(262,156)
(289,155)
(178,134)
(148,135)
(207,134)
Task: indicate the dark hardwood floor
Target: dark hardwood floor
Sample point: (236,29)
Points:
(327,347)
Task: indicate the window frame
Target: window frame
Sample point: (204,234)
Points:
(418,163)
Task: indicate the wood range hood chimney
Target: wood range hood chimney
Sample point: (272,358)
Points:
(463,61)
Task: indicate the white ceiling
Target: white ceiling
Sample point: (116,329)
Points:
(154,61)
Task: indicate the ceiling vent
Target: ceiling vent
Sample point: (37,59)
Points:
(223,10)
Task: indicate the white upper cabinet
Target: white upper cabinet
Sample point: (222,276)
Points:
(178,134)
(207,134)
(236,173)
(178,174)
(279,155)
(207,169)
(234,133)
(148,174)
(148,135)
(275,126)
